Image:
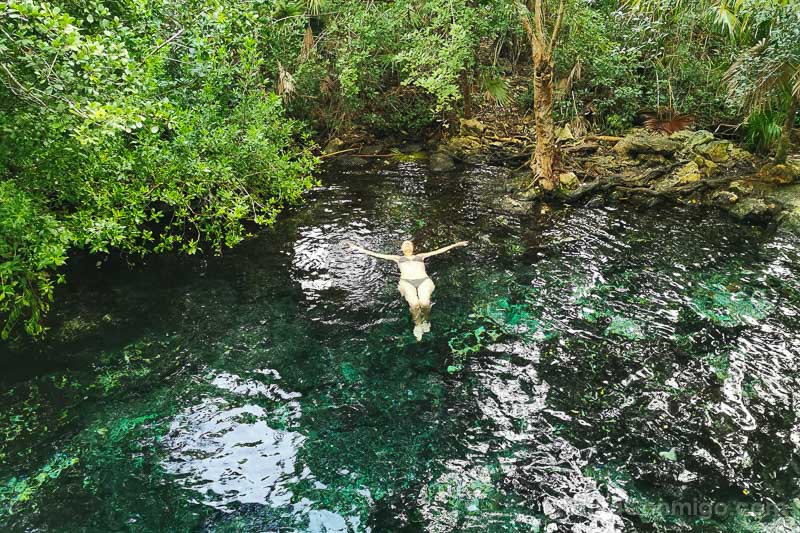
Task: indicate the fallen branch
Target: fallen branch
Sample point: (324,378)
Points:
(323,156)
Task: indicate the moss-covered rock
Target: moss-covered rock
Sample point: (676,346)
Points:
(689,173)
(716,151)
(472,127)
(778,174)
(568,181)
(464,145)
(724,198)
(692,138)
(640,143)
(741,187)
(755,209)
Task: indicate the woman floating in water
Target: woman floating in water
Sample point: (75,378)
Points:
(415,285)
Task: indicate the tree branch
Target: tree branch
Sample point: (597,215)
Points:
(556,27)
(538,21)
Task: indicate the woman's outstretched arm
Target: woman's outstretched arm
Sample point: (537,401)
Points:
(443,250)
(357,248)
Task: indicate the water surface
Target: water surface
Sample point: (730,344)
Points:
(588,370)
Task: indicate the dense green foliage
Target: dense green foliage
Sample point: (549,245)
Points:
(114,140)
(151,126)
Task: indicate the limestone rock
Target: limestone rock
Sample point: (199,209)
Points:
(583,149)
(692,138)
(716,151)
(470,126)
(688,173)
(511,205)
(334,145)
(741,187)
(724,198)
(373,149)
(710,167)
(789,198)
(350,162)
(777,174)
(569,181)
(463,145)
(754,209)
(739,154)
(410,148)
(707,166)
(441,161)
(565,133)
(642,143)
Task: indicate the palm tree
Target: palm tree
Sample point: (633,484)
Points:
(768,74)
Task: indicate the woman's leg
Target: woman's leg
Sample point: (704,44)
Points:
(424,292)
(409,292)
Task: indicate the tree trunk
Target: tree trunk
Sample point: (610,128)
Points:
(543,161)
(466,94)
(786,135)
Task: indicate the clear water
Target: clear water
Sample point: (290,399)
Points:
(588,370)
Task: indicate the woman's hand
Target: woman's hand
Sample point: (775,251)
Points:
(462,243)
(351,245)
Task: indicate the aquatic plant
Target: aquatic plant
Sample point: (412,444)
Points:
(17,492)
(722,300)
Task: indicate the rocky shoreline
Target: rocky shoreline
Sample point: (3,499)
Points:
(644,168)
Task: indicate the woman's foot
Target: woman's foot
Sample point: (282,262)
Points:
(418,332)
(426,327)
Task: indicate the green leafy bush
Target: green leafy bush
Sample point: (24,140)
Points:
(113,139)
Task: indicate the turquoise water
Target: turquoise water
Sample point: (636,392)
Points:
(588,370)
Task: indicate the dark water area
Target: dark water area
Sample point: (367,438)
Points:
(588,370)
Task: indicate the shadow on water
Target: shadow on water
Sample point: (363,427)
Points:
(588,370)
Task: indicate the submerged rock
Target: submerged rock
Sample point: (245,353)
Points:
(514,206)
(351,162)
(642,143)
(441,162)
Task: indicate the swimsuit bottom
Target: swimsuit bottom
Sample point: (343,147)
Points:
(415,282)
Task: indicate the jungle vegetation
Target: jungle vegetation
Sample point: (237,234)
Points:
(144,126)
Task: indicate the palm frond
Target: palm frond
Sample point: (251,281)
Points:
(496,90)
(315,7)
(669,125)
(725,15)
